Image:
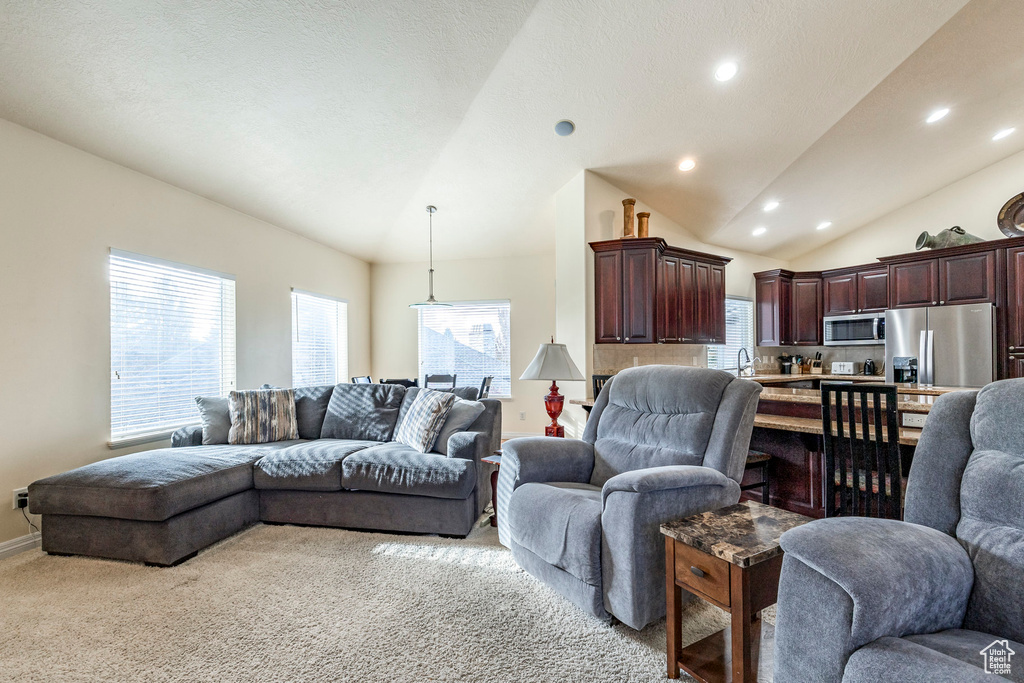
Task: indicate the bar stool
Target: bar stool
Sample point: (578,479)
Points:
(759,460)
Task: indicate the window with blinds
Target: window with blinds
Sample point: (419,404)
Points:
(319,340)
(172,338)
(470,340)
(739,334)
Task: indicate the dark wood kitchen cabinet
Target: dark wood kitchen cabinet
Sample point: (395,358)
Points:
(805,317)
(872,290)
(1013,351)
(646,291)
(915,283)
(967,279)
(840,294)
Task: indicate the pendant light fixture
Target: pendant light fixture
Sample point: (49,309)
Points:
(431,301)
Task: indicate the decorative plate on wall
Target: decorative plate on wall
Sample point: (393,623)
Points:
(1011,217)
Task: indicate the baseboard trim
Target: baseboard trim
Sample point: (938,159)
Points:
(505,436)
(19,545)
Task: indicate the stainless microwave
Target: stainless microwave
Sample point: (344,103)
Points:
(857,329)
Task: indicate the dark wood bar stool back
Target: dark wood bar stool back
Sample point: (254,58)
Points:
(599,381)
(863,473)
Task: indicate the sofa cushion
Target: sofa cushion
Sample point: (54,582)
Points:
(262,416)
(310,408)
(216,418)
(397,468)
(967,646)
(655,416)
(307,466)
(996,423)
(991,529)
(900,659)
(364,412)
(462,414)
(424,420)
(570,537)
(151,486)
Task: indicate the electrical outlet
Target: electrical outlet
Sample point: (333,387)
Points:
(522,415)
(914,420)
(19,494)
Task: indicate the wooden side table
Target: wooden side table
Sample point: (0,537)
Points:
(496,461)
(731,558)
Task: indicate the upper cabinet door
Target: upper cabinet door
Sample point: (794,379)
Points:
(717,299)
(914,284)
(638,283)
(769,309)
(1015,300)
(806,312)
(873,290)
(687,301)
(840,292)
(967,279)
(669,291)
(608,297)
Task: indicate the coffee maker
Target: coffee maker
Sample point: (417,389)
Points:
(904,369)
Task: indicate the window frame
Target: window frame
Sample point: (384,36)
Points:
(752,338)
(228,360)
(342,341)
(471,302)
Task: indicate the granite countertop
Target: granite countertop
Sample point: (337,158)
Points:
(908,403)
(806,425)
(902,387)
(744,534)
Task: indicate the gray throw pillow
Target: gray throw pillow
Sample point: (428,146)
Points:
(216,419)
(426,416)
(462,414)
(366,412)
(310,408)
(262,416)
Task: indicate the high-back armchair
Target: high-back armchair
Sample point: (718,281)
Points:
(922,599)
(662,443)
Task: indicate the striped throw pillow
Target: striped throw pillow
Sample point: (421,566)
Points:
(262,416)
(425,418)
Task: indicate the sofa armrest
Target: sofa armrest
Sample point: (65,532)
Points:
(192,435)
(849,581)
(468,445)
(540,459)
(635,505)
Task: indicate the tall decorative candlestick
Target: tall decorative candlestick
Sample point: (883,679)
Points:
(641,228)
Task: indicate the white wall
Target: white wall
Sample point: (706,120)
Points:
(526,281)
(61,210)
(972,203)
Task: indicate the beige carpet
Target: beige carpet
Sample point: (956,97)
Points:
(285,603)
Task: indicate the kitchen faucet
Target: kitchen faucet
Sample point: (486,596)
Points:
(740,367)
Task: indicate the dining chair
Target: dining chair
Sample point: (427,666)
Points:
(407,383)
(365,379)
(485,387)
(863,471)
(442,382)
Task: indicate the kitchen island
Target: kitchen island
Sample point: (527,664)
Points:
(788,427)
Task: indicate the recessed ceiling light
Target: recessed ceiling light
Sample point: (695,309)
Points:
(687,165)
(726,71)
(771,206)
(565,127)
(1003,133)
(824,225)
(937,115)
(759,231)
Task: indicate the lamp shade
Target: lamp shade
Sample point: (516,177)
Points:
(552,362)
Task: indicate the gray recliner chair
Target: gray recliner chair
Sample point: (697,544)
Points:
(937,597)
(662,442)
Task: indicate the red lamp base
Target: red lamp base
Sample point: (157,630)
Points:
(553,403)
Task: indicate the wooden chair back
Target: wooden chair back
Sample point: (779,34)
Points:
(599,381)
(407,383)
(485,387)
(863,472)
(443,382)
(362,380)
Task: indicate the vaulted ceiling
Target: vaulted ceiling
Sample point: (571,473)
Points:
(341,121)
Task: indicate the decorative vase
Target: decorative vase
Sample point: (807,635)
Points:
(627,218)
(950,237)
(641,224)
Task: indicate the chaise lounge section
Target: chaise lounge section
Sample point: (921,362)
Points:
(162,506)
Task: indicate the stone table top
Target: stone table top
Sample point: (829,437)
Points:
(744,534)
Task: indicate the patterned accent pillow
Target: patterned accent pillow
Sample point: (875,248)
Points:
(425,418)
(262,416)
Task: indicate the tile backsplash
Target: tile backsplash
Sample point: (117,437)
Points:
(858,354)
(610,358)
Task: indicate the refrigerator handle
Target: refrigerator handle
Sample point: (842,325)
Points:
(931,357)
(922,358)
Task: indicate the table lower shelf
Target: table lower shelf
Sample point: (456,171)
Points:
(710,660)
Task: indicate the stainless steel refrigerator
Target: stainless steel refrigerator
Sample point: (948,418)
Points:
(951,346)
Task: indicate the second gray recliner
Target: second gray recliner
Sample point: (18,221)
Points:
(661,443)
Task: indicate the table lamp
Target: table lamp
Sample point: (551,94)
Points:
(552,362)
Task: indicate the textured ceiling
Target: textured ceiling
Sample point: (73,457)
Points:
(341,121)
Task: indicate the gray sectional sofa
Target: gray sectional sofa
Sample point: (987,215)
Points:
(162,506)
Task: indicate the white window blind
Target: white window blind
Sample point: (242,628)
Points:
(470,340)
(319,340)
(172,338)
(739,333)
